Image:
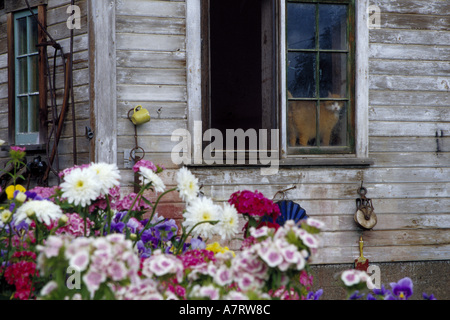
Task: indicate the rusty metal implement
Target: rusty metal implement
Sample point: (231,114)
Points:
(365,216)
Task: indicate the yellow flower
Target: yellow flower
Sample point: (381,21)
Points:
(216,248)
(11,189)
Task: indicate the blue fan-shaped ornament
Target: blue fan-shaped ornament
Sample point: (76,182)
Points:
(289,211)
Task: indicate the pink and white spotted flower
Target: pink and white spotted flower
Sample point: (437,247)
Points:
(271,254)
(223,276)
(160,264)
(210,292)
(106,260)
(353,277)
(308,239)
(142,289)
(260,232)
(315,223)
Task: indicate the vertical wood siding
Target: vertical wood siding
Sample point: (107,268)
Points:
(151,71)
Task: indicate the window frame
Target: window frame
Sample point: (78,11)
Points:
(360,153)
(348,148)
(12,77)
(195,100)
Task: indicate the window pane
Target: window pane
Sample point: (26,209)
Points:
(301,74)
(22,75)
(333,27)
(34,114)
(22,36)
(34,73)
(301,26)
(333,75)
(22,115)
(33,34)
(333,123)
(301,123)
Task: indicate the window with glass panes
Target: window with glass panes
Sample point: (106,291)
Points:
(26,78)
(320,76)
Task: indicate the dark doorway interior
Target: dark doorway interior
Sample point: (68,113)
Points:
(235,64)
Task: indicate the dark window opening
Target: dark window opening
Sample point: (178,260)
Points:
(235,65)
(239,66)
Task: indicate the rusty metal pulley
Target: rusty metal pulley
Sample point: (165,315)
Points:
(365,215)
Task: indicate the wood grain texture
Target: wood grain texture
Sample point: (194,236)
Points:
(405,115)
(102,46)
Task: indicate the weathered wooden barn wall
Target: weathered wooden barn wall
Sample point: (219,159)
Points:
(409,126)
(3,82)
(57,16)
(408,132)
(151,71)
(57,26)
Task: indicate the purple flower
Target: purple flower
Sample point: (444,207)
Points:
(147,236)
(166,230)
(428,297)
(33,195)
(402,289)
(314,296)
(19,228)
(119,216)
(355,295)
(144,252)
(133,225)
(381,292)
(117,227)
(197,243)
(370,297)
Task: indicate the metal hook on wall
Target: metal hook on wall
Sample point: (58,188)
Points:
(365,216)
(284,192)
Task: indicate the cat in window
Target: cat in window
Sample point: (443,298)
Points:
(302,120)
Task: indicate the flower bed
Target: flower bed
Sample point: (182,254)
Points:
(84,241)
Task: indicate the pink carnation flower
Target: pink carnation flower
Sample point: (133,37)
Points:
(44,192)
(126,203)
(254,204)
(68,170)
(75,225)
(146,164)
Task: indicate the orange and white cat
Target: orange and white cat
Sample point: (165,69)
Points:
(302,120)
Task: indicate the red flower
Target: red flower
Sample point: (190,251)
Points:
(21,272)
(254,204)
(257,207)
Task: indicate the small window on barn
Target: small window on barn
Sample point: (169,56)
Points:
(320,77)
(26,89)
